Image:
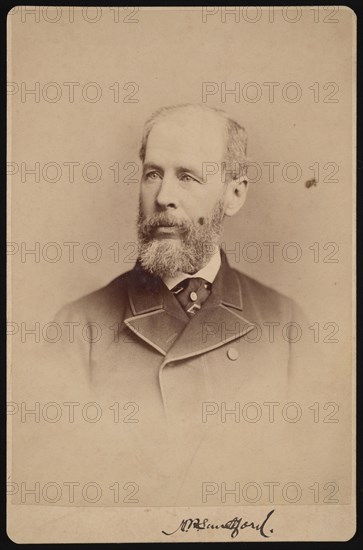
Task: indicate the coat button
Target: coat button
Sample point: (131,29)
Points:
(193,296)
(232,354)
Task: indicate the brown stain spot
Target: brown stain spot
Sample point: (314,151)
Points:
(310,183)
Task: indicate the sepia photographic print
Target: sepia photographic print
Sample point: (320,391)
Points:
(181,259)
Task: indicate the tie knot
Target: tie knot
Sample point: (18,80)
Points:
(192,293)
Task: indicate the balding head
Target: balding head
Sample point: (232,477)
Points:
(208,121)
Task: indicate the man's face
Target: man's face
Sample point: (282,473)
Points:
(181,210)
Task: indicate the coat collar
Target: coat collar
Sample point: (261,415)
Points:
(148,293)
(159,319)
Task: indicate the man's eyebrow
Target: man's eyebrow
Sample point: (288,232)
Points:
(151,166)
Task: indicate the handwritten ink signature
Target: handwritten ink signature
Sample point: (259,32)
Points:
(234,525)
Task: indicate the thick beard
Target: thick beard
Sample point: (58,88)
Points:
(188,254)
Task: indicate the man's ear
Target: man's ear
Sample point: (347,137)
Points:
(235,195)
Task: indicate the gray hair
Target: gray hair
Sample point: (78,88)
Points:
(236,135)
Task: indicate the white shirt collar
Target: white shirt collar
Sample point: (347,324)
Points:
(208,272)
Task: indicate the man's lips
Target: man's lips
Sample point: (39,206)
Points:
(167,230)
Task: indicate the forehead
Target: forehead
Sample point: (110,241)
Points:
(187,137)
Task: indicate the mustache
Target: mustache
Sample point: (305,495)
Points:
(163,219)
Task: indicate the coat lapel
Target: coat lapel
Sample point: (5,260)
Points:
(218,322)
(161,322)
(157,318)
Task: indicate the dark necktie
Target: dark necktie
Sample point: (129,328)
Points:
(192,293)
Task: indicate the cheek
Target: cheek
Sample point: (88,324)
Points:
(190,208)
(147,199)
(201,206)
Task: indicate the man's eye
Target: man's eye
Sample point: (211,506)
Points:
(187,178)
(153,176)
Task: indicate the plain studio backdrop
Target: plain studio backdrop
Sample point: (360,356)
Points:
(97,74)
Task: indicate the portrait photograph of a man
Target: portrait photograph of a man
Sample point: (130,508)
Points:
(181,274)
(182,306)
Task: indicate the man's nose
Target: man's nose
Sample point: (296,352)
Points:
(167,196)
